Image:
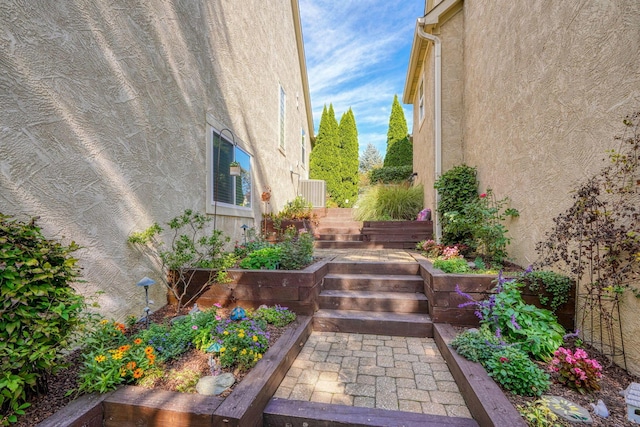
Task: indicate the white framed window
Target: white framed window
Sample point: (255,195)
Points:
(226,190)
(421,101)
(281,117)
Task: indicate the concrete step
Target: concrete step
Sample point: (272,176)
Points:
(378,323)
(397,302)
(374,282)
(349,267)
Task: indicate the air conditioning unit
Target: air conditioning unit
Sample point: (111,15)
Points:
(314,191)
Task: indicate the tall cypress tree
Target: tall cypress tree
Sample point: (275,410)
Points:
(324,160)
(349,159)
(399,147)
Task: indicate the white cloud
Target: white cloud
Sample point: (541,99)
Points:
(357,54)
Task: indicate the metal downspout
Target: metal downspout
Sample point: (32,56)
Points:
(437,126)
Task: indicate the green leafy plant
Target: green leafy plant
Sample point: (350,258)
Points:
(296,249)
(575,370)
(430,248)
(191,247)
(536,330)
(277,315)
(477,345)
(39,311)
(389,202)
(390,174)
(482,221)
(296,209)
(512,368)
(106,368)
(456,187)
(266,258)
(553,288)
(455,265)
(538,414)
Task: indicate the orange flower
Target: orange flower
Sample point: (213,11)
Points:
(124,348)
(138,373)
(131,366)
(119,326)
(149,350)
(137,341)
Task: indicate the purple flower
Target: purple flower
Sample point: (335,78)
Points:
(498,332)
(529,269)
(514,323)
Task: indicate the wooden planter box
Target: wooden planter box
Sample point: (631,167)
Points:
(440,289)
(409,232)
(296,289)
(131,406)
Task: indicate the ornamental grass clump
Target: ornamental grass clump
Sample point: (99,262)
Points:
(575,370)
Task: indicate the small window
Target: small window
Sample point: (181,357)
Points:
(281,118)
(228,189)
(303,149)
(421,101)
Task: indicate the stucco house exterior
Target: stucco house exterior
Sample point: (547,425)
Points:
(530,93)
(110,112)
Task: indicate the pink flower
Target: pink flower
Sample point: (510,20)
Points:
(503,359)
(580,354)
(194,327)
(218,318)
(483,195)
(217,305)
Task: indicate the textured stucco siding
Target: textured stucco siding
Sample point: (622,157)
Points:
(103,124)
(547,85)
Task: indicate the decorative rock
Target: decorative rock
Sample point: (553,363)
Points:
(195,309)
(214,385)
(600,409)
(568,410)
(238,313)
(214,348)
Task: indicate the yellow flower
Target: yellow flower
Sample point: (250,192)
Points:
(259,356)
(100,358)
(117,355)
(123,372)
(241,331)
(255,338)
(225,333)
(223,349)
(244,351)
(234,349)
(104,321)
(240,335)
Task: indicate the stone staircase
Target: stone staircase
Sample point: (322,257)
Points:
(374,298)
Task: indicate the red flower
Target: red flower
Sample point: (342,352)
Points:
(503,359)
(483,195)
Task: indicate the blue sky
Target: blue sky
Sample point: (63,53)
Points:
(357,54)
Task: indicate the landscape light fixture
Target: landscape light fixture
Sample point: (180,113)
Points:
(146,282)
(244,232)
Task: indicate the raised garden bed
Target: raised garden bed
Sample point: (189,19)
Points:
(295,289)
(440,289)
(135,406)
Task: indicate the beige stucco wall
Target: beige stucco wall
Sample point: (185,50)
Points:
(103,124)
(546,86)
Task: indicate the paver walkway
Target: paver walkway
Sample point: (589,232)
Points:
(374,371)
